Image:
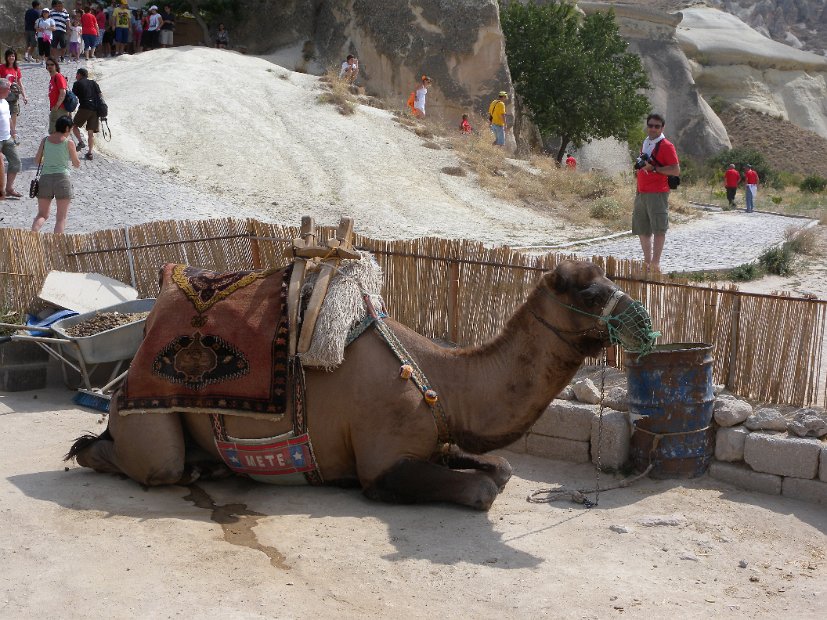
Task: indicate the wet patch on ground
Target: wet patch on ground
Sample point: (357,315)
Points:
(237,522)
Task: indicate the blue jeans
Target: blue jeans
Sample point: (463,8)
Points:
(750,203)
(499,134)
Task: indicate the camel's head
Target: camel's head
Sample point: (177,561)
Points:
(587,305)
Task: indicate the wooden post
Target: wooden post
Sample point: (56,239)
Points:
(453,301)
(254,246)
(733,341)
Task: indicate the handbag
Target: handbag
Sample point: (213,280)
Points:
(34,187)
(14,93)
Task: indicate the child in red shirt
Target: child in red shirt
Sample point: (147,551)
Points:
(465,126)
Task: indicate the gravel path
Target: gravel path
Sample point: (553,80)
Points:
(110,193)
(716,241)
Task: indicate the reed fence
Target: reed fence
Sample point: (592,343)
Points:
(766,347)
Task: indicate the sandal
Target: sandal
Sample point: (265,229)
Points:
(88,156)
(13,194)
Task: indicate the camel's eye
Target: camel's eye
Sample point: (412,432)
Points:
(592,295)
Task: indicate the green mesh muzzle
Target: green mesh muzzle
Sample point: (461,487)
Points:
(632,329)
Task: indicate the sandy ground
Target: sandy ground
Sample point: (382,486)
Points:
(78,544)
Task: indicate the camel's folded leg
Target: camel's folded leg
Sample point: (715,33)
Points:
(149,448)
(411,481)
(496,467)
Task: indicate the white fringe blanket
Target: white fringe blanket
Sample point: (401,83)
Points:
(342,309)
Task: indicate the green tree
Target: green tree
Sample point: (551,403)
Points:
(575,76)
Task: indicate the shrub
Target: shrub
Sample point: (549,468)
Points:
(745,272)
(776,200)
(813,184)
(778,260)
(788,179)
(804,242)
(606,209)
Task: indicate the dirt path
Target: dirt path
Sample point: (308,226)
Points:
(79,544)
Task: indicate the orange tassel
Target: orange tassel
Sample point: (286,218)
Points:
(431,397)
(406,371)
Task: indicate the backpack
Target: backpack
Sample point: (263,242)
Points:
(673,181)
(70,101)
(101,108)
(98,103)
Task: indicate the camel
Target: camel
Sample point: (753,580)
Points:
(370,429)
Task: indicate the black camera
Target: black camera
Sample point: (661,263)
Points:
(642,160)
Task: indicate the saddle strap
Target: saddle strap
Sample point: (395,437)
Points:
(418,377)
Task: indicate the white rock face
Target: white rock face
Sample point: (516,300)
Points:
(729,443)
(734,62)
(808,423)
(766,419)
(586,391)
(730,411)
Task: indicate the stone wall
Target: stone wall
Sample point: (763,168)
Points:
(766,449)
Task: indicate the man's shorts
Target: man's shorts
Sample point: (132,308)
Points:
(8,149)
(166,37)
(90,41)
(59,40)
(121,35)
(56,114)
(31,38)
(88,118)
(14,108)
(651,214)
(499,134)
(55,186)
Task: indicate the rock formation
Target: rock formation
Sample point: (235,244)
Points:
(737,65)
(458,44)
(801,24)
(690,122)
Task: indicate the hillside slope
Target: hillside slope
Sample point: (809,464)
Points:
(784,145)
(263,140)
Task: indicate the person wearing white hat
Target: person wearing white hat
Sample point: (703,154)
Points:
(153,31)
(44,27)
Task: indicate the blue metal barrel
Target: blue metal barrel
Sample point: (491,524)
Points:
(672,388)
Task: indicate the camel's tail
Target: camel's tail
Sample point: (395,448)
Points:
(83,442)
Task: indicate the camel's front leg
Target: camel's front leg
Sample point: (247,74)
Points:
(411,481)
(494,466)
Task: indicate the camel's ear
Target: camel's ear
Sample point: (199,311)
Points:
(558,282)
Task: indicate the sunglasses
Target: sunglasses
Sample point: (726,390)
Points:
(653,126)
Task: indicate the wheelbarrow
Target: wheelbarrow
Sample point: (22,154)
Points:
(85,353)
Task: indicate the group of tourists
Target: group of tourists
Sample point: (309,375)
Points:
(94,30)
(57,152)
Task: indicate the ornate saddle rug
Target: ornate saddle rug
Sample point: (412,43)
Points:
(213,343)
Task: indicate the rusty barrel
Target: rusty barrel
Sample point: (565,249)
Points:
(671,387)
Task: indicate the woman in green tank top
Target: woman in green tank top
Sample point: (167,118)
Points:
(55,154)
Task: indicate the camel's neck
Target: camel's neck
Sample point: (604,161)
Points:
(505,385)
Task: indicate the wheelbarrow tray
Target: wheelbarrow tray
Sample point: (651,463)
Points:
(112,345)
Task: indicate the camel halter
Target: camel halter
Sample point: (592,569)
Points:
(634,322)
